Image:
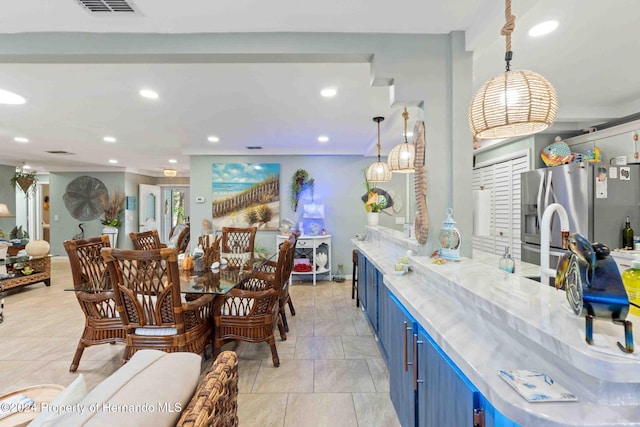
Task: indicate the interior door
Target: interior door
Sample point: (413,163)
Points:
(149,215)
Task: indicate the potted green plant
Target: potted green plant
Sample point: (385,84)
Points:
(300,181)
(25,180)
(113,206)
(373,202)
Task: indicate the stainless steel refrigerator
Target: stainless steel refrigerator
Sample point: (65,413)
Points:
(597,199)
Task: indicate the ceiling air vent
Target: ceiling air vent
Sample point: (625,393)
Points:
(107,5)
(254,147)
(60,152)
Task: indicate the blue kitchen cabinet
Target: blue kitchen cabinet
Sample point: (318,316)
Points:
(401,358)
(371,306)
(427,388)
(445,396)
(383,317)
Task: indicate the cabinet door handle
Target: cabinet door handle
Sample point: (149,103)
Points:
(405,328)
(415,364)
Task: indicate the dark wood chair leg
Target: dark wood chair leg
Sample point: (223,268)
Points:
(354,277)
(76,357)
(274,351)
(283,317)
(283,333)
(293,310)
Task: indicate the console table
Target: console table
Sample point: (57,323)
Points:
(310,247)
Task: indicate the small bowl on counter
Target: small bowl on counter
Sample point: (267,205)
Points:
(360,237)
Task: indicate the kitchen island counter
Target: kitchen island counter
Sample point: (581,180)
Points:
(487,320)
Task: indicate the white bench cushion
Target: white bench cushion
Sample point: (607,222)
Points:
(150,390)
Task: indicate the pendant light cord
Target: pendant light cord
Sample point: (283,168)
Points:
(379,146)
(405,116)
(507,29)
(378,120)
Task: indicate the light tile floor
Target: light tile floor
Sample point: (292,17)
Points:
(331,373)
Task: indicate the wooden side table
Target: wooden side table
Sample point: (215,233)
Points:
(43,393)
(40,265)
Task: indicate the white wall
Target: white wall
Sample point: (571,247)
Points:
(339,185)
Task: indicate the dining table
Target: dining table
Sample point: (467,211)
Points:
(217,281)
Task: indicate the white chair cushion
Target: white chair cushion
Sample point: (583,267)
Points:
(156,332)
(239,311)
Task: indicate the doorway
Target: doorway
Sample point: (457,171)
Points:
(45,219)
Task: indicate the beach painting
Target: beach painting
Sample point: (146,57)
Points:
(245,195)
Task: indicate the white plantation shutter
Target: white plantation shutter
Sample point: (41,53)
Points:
(503,180)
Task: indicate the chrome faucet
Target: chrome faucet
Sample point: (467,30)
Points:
(545,230)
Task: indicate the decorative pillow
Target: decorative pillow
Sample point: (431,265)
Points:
(72,394)
(173,241)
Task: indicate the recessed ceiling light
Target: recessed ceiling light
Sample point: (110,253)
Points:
(543,28)
(328,92)
(149,94)
(7,97)
(21,139)
(113,161)
(323,138)
(26,167)
(213,139)
(109,139)
(173,161)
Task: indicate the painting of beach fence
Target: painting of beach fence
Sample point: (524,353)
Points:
(245,195)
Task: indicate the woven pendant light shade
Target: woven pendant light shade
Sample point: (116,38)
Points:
(402,157)
(378,171)
(513,103)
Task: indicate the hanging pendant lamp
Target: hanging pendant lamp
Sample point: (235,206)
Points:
(378,171)
(513,103)
(403,155)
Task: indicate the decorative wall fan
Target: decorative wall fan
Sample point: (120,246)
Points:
(82,198)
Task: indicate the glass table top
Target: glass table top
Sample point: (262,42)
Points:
(219,281)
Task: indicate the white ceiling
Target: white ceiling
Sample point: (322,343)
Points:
(591,60)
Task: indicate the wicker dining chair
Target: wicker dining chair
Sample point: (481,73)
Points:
(146,240)
(215,403)
(147,294)
(102,322)
(282,275)
(237,246)
(249,312)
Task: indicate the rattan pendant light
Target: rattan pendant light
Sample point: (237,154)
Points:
(403,155)
(378,171)
(513,103)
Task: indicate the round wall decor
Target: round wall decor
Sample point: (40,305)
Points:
(82,198)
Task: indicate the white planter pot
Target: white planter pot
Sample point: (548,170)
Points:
(372,218)
(112,232)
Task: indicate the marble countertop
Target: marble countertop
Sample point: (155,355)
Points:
(486,320)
